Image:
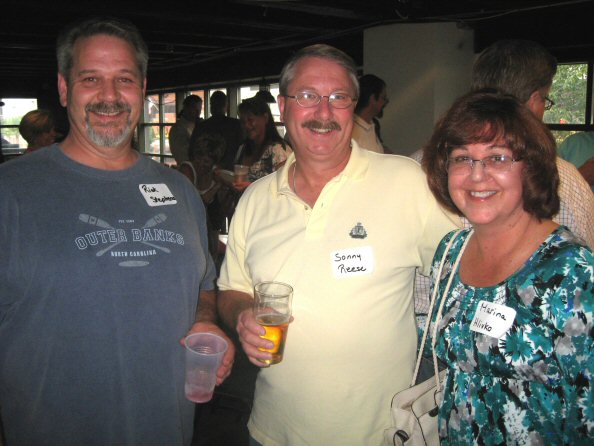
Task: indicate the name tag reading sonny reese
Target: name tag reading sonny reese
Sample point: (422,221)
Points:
(157,194)
(352,262)
(492,319)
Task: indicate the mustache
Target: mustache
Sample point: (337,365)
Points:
(314,124)
(105,107)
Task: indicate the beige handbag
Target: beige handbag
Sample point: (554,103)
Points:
(414,410)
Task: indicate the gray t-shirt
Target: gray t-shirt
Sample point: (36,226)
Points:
(100,273)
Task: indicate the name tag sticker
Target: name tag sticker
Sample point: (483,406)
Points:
(352,262)
(157,194)
(492,319)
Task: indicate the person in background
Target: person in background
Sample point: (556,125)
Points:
(104,267)
(181,131)
(263,150)
(37,128)
(346,228)
(516,331)
(370,107)
(525,70)
(265,96)
(578,149)
(205,152)
(225,126)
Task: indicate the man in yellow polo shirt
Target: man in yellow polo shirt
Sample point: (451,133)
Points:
(346,228)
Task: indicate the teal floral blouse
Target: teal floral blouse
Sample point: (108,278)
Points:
(533,384)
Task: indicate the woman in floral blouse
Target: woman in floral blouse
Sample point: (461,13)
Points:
(264,151)
(516,329)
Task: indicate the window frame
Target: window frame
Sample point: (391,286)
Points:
(588,124)
(233,95)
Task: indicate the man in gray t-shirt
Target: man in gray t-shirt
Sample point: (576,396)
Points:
(104,267)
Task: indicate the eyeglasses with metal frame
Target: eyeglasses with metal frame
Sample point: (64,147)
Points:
(463,165)
(549,103)
(308,99)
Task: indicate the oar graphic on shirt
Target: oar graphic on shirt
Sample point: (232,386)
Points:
(151,222)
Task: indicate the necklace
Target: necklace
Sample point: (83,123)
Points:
(294,175)
(203,191)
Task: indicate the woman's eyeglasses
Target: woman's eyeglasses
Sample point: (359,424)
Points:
(463,165)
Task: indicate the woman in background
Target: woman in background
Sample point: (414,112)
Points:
(205,152)
(37,128)
(264,150)
(516,330)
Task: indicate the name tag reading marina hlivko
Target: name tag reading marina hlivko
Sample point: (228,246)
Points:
(352,262)
(492,319)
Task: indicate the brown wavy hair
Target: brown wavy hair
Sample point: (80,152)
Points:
(485,117)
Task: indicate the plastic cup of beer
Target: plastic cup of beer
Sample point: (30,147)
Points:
(240,173)
(204,353)
(272,309)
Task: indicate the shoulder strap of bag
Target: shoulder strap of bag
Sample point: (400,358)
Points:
(431,306)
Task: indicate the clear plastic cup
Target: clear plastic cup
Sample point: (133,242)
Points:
(272,309)
(204,353)
(240,173)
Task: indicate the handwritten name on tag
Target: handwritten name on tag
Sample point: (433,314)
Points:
(352,262)
(157,194)
(492,319)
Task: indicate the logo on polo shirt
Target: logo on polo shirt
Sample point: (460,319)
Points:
(358,231)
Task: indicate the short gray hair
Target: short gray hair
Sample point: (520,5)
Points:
(99,26)
(516,67)
(321,51)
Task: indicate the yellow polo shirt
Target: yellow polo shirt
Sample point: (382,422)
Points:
(351,260)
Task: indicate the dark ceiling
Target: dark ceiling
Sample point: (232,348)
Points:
(207,41)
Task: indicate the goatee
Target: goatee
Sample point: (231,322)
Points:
(108,135)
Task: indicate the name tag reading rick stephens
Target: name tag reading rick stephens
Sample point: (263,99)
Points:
(492,319)
(157,194)
(352,262)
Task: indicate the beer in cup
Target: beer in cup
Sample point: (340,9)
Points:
(272,309)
